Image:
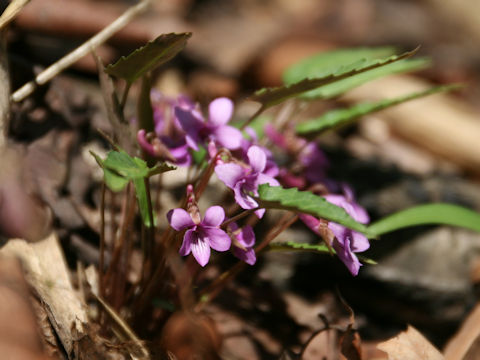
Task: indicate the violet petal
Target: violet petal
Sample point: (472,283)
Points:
(188,239)
(257,159)
(228,137)
(201,250)
(214,216)
(230,174)
(218,239)
(220,111)
(179,219)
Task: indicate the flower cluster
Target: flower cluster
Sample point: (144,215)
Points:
(203,234)
(180,128)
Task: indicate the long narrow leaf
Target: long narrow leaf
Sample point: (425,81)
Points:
(314,248)
(276,197)
(328,62)
(331,62)
(293,246)
(272,96)
(440,213)
(340,117)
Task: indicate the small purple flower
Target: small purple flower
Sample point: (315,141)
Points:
(243,240)
(348,241)
(167,142)
(244,181)
(201,235)
(314,162)
(200,132)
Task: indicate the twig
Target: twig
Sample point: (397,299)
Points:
(126,330)
(54,69)
(102,242)
(11,12)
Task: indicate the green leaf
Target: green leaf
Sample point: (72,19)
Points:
(327,63)
(148,57)
(160,168)
(272,96)
(119,168)
(114,181)
(125,165)
(342,86)
(142,198)
(340,117)
(315,248)
(276,197)
(293,246)
(440,213)
(199,155)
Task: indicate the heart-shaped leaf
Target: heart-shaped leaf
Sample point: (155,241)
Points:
(119,168)
(148,57)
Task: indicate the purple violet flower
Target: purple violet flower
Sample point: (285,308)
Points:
(244,181)
(243,240)
(200,132)
(201,235)
(167,142)
(348,241)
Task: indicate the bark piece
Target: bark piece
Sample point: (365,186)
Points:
(19,336)
(46,271)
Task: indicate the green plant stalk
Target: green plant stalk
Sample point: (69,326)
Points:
(256,114)
(238,217)
(128,85)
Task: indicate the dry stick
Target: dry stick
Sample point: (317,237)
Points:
(127,331)
(98,39)
(12,10)
(128,211)
(102,242)
(212,290)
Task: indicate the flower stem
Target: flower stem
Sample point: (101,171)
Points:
(212,290)
(238,217)
(251,118)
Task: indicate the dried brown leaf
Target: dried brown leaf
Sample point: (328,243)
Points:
(410,345)
(19,336)
(467,338)
(47,273)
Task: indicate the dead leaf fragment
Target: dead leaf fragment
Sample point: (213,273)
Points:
(410,345)
(19,336)
(47,272)
(467,338)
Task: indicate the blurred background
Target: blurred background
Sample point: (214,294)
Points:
(420,152)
